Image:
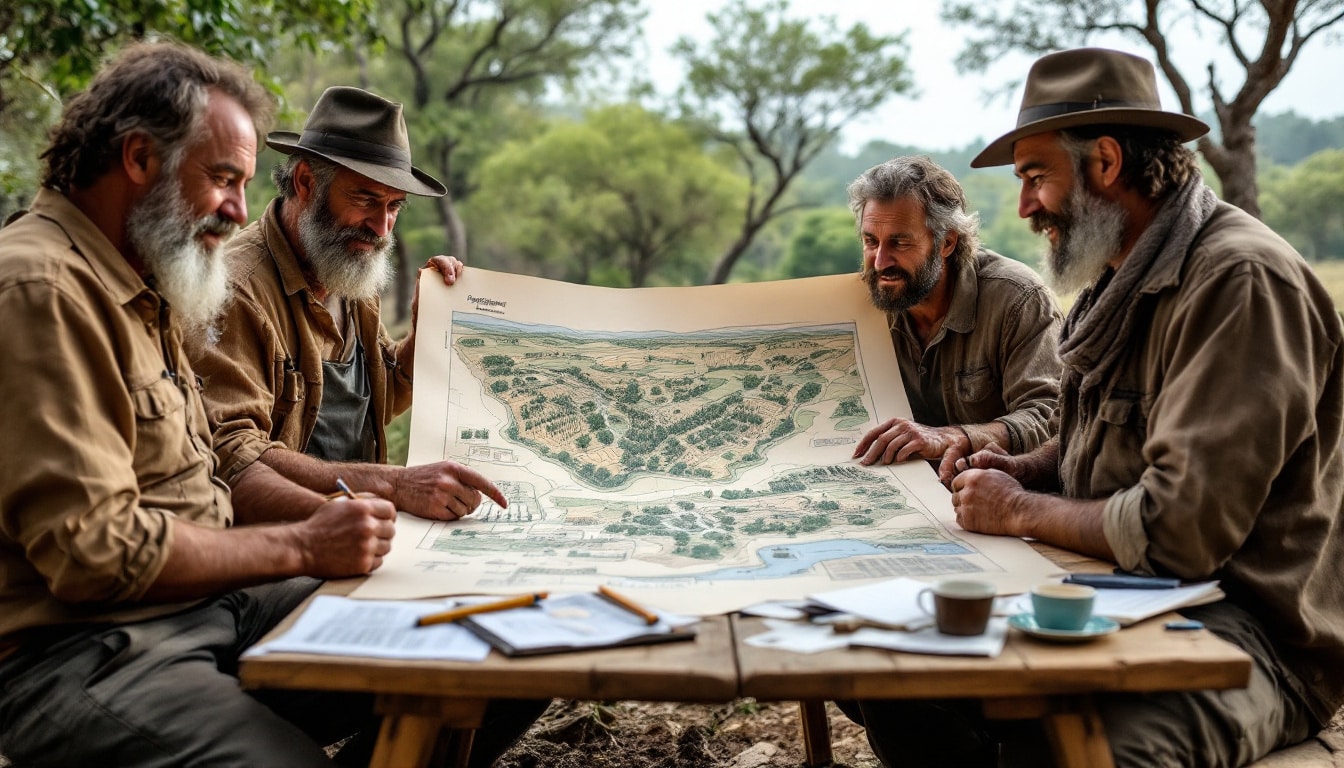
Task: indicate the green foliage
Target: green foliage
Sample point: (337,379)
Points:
(623,198)
(824,243)
(1305,204)
(1288,138)
(778,90)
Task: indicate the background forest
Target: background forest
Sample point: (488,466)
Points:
(564,160)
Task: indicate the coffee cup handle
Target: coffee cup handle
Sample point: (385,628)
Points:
(919,600)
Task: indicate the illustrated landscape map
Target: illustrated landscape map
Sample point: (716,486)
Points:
(687,446)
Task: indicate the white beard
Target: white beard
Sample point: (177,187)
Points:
(343,271)
(191,276)
(1090,236)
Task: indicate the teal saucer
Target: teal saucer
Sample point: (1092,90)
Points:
(1095,627)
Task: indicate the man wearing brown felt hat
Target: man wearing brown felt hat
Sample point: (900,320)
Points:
(1197,333)
(300,374)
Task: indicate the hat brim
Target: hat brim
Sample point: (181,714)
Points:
(1000,151)
(417,182)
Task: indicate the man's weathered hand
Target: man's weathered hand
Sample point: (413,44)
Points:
(442,491)
(984,500)
(902,439)
(347,537)
(450,267)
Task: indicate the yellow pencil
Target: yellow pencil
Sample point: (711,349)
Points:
(468,610)
(648,616)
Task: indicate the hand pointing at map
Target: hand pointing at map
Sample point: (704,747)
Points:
(444,490)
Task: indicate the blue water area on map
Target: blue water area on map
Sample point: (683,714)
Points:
(793,559)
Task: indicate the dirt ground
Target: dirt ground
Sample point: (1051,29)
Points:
(744,734)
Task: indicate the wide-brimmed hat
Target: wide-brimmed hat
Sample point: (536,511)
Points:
(363,132)
(1088,86)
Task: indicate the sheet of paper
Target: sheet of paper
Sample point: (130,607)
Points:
(931,641)
(1127,606)
(797,637)
(894,602)
(688,447)
(378,628)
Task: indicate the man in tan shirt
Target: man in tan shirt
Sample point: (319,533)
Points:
(127,588)
(301,375)
(975,333)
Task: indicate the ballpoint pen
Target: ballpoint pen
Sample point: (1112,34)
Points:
(454,614)
(648,616)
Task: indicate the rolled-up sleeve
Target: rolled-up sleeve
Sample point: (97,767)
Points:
(243,368)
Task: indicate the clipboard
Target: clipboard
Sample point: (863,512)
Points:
(577,622)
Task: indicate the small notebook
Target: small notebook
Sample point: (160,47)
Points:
(577,622)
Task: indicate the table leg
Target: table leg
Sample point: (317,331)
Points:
(1078,737)
(816,733)
(414,725)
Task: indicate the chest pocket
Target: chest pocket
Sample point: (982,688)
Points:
(1118,446)
(161,434)
(975,384)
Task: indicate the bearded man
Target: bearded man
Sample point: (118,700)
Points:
(130,582)
(301,374)
(1201,410)
(975,333)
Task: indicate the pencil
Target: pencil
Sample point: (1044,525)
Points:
(345,489)
(454,614)
(648,616)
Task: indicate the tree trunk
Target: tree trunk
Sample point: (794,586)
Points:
(1234,162)
(454,231)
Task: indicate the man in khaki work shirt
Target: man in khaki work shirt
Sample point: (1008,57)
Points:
(975,333)
(1201,418)
(300,374)
(127,592)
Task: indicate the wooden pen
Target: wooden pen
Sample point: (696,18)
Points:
(454,614)
(648,616)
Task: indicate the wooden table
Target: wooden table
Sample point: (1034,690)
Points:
(1030,679)
(423,701)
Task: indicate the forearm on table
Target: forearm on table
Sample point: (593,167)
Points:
(208,561)
(1073,524)
(982,435)
(263,495)
(321,476)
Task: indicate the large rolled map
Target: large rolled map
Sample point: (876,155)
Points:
(689,447)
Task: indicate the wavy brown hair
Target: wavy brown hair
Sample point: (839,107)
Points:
(933,187)
(1154,162)
(160,89)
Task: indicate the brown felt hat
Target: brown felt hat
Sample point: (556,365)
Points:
(363,132)
(1088,86)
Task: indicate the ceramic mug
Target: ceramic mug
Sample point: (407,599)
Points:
(960,606)
(1062,606)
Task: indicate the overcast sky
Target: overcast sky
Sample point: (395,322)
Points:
(949,110)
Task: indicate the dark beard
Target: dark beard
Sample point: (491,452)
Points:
(917,286)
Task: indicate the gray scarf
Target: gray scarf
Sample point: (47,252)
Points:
(1099,326)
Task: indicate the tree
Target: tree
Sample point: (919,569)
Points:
(1265,38)
(787,90)
(60,43)
(611,200)
(1303,204)
(463,55)
(825,243)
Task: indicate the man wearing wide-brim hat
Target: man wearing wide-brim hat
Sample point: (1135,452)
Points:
(1201,411)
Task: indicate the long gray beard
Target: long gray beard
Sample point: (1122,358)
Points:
(1092,238)
(342,271)
(192,277)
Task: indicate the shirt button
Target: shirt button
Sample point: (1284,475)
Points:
(923,370)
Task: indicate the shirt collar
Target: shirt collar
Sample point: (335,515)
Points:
(120,280)
(965,295)
(291,274)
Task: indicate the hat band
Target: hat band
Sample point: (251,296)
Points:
(355,149)
(1043,111)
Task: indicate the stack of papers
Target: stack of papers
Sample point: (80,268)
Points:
(384,629)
